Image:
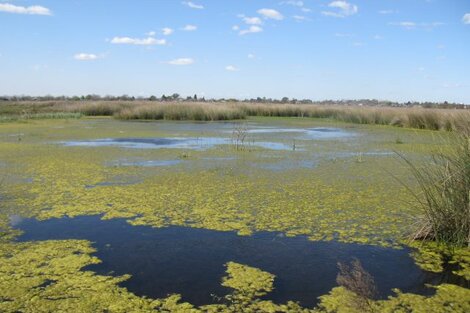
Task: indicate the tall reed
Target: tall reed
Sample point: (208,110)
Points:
(444,193)
(182,111)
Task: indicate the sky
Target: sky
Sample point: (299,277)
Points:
(399,50)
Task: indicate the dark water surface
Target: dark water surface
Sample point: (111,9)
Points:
(190,261)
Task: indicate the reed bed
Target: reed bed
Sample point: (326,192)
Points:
(419,118)
(182,111)
(444,193)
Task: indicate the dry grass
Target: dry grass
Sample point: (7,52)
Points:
(420,118)
(434,119)
(181,111)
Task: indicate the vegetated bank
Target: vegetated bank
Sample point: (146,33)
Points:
(410,117)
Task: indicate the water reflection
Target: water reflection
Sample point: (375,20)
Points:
(190,261)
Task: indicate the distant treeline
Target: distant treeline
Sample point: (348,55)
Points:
(177,98)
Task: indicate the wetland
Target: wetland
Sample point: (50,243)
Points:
(254,215)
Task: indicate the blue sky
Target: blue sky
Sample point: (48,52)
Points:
(386,49)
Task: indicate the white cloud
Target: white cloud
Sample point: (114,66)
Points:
(413,25)
(235,27)
(85,56)
(378,37)
(193,5)
(32,10)
(149,41)
(405,24)
(345,35)
(190,28)
(251,56)
(181,61)
(466,18)
(294,3)
(387,12)
(232,68)
(343,9)
(298,4)
(167,31)
(252,29)
(151,33)
(271,14)
(252,20)
(299,17)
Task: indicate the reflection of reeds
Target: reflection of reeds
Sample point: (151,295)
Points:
(444,193)
(434,119)
(356,279)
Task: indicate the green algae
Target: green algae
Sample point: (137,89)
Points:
(433,257)
(340,199)
(448,298)
(354,209)
(46,277)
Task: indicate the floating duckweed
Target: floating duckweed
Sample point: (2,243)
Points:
(448,298)
(432,257)
(429,255)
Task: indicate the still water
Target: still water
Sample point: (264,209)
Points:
(190,261)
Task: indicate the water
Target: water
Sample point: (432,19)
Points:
(193,143)
(190,261)
(208,142)
(306,133)
(287,165)
(145,163)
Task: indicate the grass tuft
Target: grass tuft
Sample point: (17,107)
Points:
(444,193)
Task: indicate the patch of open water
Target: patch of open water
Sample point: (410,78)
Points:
(194,143)
(190,261)
(311,133)
(145,163)
(204,143)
